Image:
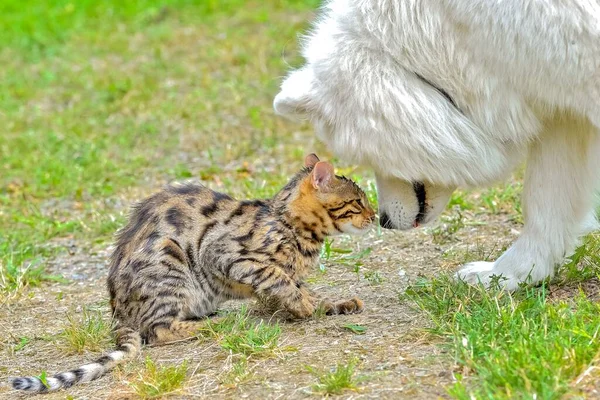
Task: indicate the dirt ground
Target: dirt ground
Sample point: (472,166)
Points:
(397,357)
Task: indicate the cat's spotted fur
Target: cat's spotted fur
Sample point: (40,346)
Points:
(187,249)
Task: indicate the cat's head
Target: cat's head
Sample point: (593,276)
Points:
(334,197)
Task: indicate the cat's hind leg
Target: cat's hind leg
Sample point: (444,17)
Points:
(167,321)
(180,330)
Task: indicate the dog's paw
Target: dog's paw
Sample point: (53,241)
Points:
(484,272)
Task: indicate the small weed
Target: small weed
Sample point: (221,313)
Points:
(342,256)
(358,329)
(258,339)
(239,372)
(448,226)
(157,381)
(584,264)
(181,171)
(43,377)
(371,192)
(460,200)
(23,342)
(374,277)
(337,380)
(91,332)
(227,323)
(320,312)
(328,250)
(239,334)
(15,277)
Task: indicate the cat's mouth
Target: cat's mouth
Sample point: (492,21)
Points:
(348,227)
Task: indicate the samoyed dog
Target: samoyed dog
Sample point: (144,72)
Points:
(439,94)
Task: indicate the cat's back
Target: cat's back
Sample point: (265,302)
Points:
(191,204)
(178,212)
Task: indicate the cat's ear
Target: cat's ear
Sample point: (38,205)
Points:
(322,174)
(310,160)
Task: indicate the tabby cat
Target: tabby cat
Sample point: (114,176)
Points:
(187,249)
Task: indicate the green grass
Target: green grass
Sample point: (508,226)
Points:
(505,198)
(343,255)
(320,312)
(350,258)
(24,341)
(157,381)
(584,263)
(523,345)
(448,225)
(89,331)
(374,277)
(45,25)
(357,329)
(336,381)
(238,333)
(15,276)
(255,340)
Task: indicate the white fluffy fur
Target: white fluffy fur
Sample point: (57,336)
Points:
(525,75)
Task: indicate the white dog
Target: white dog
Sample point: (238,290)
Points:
(436,94)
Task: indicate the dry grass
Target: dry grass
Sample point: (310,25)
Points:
(159,381)
(91,332)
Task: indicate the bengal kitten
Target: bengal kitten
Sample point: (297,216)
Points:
(187,249)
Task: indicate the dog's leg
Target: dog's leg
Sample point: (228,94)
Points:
(562,173)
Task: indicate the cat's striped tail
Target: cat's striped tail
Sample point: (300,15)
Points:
(129,343)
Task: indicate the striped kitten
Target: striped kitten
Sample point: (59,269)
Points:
(187,249)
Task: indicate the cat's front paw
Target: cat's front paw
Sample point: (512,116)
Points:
(351,306)
(302,308)
(484,272)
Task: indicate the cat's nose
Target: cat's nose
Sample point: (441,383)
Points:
(385,221)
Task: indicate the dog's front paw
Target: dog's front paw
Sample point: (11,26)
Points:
(484,272)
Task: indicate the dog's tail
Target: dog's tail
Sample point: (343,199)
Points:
(128,346)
